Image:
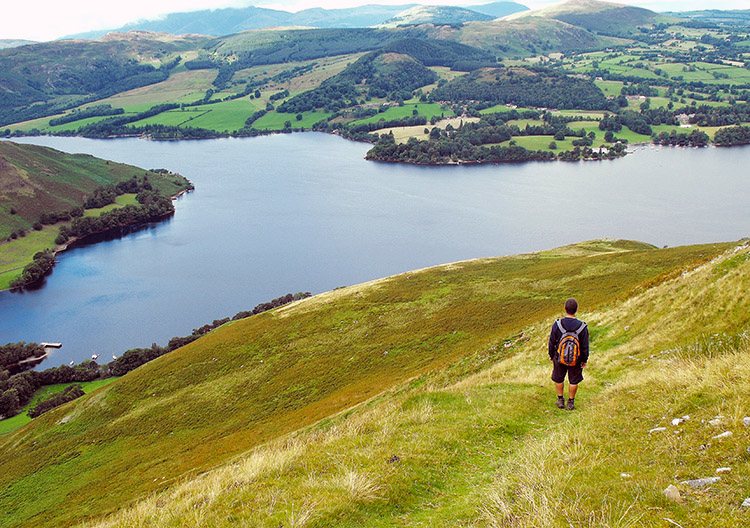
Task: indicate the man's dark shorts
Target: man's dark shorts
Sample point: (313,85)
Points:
(575,373)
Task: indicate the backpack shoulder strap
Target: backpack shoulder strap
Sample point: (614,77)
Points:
(560,326)
(580,328)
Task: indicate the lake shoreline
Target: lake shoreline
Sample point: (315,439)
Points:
(629,147)
(74,242)
(306,211)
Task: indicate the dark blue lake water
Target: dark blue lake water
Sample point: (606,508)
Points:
(306,212)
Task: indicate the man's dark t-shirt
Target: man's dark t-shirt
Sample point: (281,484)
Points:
(570,324)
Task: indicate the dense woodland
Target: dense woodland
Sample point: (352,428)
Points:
(538,87)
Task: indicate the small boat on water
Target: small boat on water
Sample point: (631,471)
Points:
(94,356)
(72,363)
(114,357)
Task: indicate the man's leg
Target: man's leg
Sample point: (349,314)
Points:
(560,398)
(572,389)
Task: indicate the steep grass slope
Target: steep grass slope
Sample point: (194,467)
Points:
(481,444)
(257,380)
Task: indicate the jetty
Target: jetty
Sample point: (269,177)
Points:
(48,348)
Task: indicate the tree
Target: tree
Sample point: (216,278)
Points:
(559,135)
(298,117)
(9,404)
(553,145)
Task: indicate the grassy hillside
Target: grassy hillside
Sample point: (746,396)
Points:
(531,35)
(37,80)
(257,380)
(481,444)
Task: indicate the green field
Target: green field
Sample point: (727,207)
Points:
(220,117)
(276,120)
(427,110)
(11,424)
(522,123)
(16,254)
(610,88)
(496,109)
(543,143)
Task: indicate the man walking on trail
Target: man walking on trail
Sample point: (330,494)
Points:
(569,352)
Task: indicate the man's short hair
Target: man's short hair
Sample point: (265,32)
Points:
(571,306)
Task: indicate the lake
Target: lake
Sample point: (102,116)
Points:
(306,212)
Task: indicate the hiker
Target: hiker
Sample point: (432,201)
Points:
(569,352)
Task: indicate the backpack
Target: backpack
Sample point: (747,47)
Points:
(569,347)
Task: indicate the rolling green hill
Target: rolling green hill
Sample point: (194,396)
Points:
(396,343)
(45,78)
(531,35)
(601,17)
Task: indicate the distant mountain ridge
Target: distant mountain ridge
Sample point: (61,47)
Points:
(436,15)
(227,21)
(14,43)
(601,17)
(731,17)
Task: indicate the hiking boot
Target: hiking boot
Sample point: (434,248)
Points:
(560,402)
(571,405)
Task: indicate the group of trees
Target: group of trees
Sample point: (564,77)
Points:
(635,121)
(538,87)
(705,115)
(91,111)
(736,135)
(696,138)
(433,52)
(106,194)
(331,96)
(12,353)
(40,266)
(45,404)
(153,205)
(444,150)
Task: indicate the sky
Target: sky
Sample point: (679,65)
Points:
(43,20)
